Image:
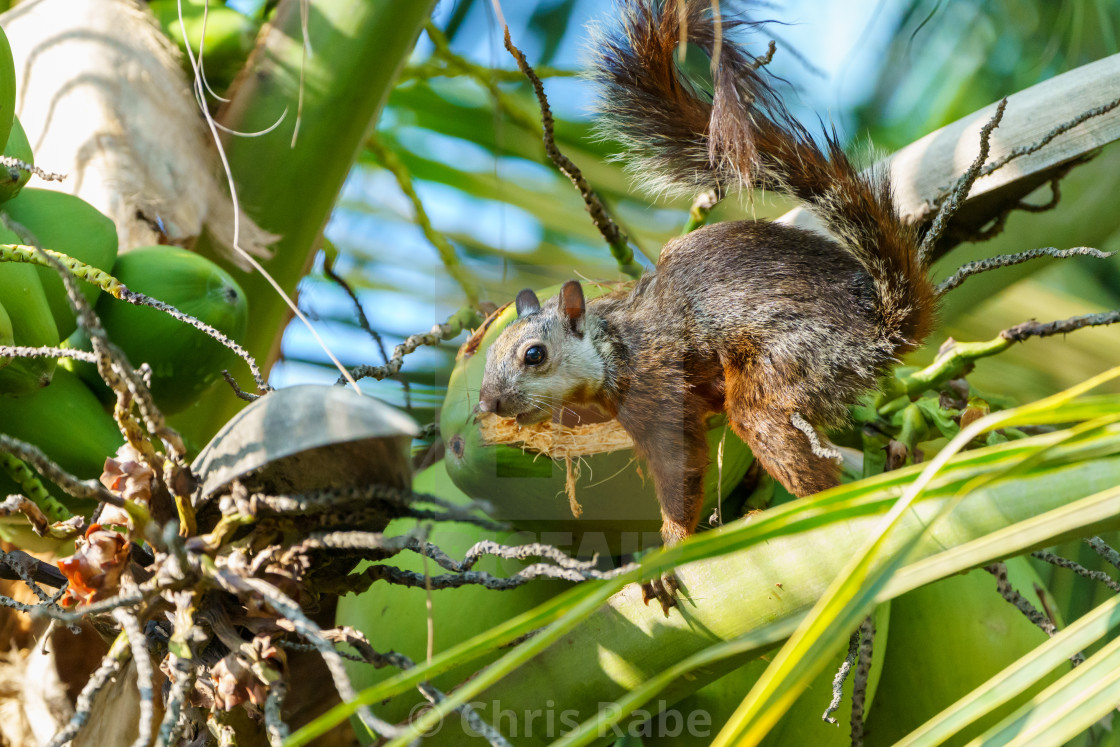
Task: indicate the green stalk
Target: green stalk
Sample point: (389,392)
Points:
(358,49)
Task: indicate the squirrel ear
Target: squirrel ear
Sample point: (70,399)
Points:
(571,303)
(527,303)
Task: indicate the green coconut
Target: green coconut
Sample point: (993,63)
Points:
(184,361)
(67,422)
(13,178)
(70,225)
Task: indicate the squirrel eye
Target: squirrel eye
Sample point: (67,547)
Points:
(534,355)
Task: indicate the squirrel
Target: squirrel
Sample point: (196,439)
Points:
(779,327)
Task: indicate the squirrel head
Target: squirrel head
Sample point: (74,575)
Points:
(543,359)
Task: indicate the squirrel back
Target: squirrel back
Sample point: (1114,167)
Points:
(679,139)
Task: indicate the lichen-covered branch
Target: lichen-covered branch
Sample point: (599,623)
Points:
(1099,576)
(950,206)
(462,319)
(615,238)
(43,464)
(957,357)
(1006,260)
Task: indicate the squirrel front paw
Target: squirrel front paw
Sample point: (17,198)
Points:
(663,589)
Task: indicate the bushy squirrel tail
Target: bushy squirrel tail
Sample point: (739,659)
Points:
(680,137)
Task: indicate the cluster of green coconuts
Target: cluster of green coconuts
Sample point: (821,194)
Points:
(59,404)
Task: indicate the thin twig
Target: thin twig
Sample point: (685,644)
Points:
(474,722)
(357,639)
(307,628)
(1055,196)
(841,676)
(956,358)
(1013,597)
(1017,600)
(311,648)
(949,208)
(443,246)
(1021,332)
(337,499)
(355,541)
(859,682)
(363,321)
(487,77)
(145,677)
(481,578)
(1102,548)
(1018,153)
(182,683)
(1099,576)
(129,600)
(237,391)
(1006,260)
(14,163)
(620,248)
(23,351)
(32,572)
(274,725)
(454,515)
(19,606)
(1045,139)
(139,299)
(460,320)
(995,226)
(428,70)
(367,654)
(43,464)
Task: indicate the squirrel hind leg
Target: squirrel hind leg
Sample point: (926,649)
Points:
(793,457)
(784,442)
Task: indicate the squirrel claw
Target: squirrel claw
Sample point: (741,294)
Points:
(664,590)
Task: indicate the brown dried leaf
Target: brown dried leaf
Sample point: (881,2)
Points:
(127,476)
(95,568)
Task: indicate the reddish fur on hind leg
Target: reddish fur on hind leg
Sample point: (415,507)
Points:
(787,454)
(783,450)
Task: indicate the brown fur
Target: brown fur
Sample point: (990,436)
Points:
(767,322)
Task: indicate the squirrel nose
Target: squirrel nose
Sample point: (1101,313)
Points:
(488,404)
